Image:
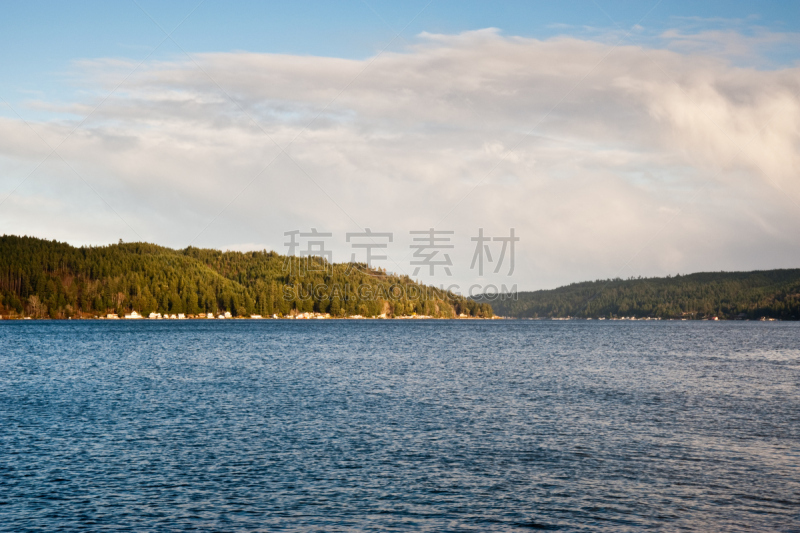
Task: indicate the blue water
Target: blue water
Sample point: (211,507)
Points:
(399,426)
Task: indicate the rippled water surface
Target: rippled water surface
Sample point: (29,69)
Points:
(389,425)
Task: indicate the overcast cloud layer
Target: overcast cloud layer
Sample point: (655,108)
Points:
(608,161)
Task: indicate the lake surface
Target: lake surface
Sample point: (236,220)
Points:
(399,426)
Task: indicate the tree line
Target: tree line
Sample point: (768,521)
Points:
(726,295)
(42,278)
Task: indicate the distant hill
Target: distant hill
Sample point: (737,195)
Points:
(727,295)
(43,278)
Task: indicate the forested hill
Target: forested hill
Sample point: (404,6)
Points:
(727,295)
(43,278)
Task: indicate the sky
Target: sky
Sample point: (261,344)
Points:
(615,139)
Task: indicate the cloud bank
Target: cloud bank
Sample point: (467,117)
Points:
(608,161)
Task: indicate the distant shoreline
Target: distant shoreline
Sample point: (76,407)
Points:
(403,318)
(755,295)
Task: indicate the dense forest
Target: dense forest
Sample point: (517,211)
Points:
(49,279)
(726,295)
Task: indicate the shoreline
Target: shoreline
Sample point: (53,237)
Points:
(412,318)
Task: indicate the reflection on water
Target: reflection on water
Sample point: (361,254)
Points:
(440,426)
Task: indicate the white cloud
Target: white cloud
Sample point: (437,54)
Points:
(649,161)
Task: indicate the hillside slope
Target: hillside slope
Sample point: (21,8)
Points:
(43,278)
(730,295)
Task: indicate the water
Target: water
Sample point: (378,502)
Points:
(423,426)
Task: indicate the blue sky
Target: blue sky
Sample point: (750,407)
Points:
(39,40)
(618,138)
